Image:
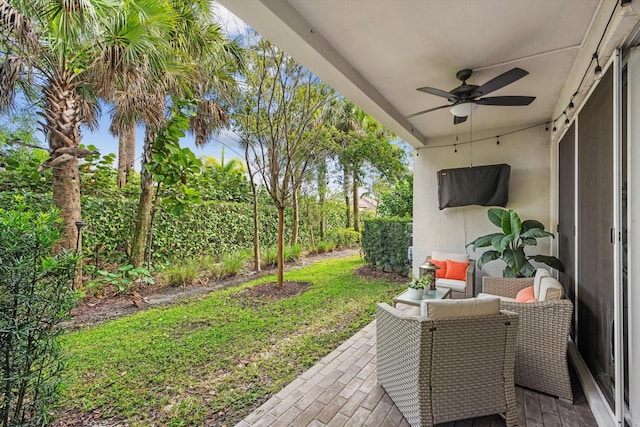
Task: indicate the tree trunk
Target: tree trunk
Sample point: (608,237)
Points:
(346,188)
(280,280)
(322,196)
(256,233)
(309,223)
(256,214)
(62,120)
(131,150)
(153,217)
(356,200)
(138,240)
(296,217)
(122,158)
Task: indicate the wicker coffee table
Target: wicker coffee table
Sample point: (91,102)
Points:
(439,293)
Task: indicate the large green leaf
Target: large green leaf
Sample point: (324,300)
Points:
(483,241)
(495,216)
(487,257)
(530,241)
(506,224)
(536,233)
(551,261)
(509,272)
(532,223)
(514,258)
(515,224)
(527,270)
(501,242)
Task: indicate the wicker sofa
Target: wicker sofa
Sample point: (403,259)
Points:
(541,353)
(437,371)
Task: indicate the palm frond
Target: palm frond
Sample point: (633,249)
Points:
(209,118)
(9,74)
(15,22)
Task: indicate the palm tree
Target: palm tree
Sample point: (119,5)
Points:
(204,65)
(222,167)
(341,114)
(360,139)
(62,53)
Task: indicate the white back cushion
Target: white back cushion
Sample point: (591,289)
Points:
(455,308)
(550,289)
(540,273)
(447,255)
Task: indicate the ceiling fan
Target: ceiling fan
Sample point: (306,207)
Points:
(466,98)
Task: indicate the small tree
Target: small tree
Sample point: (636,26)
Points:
(397,201)
(275,120)
(35,296)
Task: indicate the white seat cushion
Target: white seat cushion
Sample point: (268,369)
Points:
(550,289)
(455,285)
(540,273)
(456,308)
(442,256)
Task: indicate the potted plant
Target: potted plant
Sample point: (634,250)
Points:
(509,244)
(417,286)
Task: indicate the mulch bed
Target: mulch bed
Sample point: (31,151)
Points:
(370,272)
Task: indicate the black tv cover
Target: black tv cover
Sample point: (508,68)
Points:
(479,185)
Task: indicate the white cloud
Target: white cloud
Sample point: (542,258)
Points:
(233,25)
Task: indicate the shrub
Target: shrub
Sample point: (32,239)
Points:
(269,256)
(35,297)
(292,253)
(181,273)
(319,248)
(122,277)
(386,242)
(344,237)
(232,263)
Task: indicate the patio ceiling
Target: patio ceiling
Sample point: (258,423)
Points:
(377,52)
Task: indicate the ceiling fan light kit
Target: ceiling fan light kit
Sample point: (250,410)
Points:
(463,109)
(465,98)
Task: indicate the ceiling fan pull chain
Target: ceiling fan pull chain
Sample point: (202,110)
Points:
(471,139)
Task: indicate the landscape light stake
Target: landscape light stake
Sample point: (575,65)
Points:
(79,225)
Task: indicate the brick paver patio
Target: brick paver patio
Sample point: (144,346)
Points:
(341,390)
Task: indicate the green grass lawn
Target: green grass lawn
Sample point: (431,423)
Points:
(214,359)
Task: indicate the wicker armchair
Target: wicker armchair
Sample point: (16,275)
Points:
(541,354)
(437,371)
(470,286)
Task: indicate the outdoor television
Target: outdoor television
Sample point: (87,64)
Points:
(477,185)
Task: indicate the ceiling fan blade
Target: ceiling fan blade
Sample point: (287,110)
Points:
(427,111)
(500,81)
(510,101)
(437,92)
(458,120)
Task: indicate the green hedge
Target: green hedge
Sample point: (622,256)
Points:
(386,242)
(211,228)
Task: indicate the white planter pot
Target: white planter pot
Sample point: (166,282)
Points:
(415,293)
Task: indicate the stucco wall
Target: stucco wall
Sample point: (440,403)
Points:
(451,229)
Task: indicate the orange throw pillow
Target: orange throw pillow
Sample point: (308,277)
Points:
(442,273)
(456,270)
(526,295)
